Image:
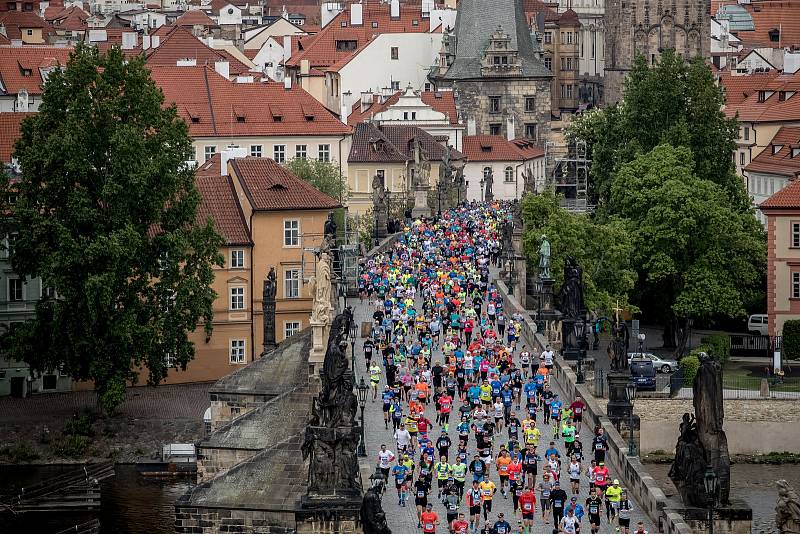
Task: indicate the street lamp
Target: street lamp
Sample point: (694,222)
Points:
(343,290)
(641,337)
(353,333)
(362,401)
(630,392)
(711,482)
(439,203)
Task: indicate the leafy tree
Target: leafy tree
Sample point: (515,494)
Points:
(690,364)
(696,254)
(324,175)
(791,339)
(672,102)
(603,250)
(106,216)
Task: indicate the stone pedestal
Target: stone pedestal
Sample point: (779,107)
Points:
(319,337)
(570,350)
(329,514)
(421,208)
(546,298)
(521,268)
(735,518)
(619,407)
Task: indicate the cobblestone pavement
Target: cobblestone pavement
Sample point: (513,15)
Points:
(403,520)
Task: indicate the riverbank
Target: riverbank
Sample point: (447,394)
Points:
(65,428)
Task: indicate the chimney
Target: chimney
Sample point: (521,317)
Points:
(366,100)
(287,48)
(211,41)
(145,42)
(155,41)
(470,126)
(129,40)
(305,66)
(356,12)
(223,68)
(287,83)
(395,9)
(229,153)
(510,128)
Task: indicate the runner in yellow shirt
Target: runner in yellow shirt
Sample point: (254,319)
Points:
(488,489)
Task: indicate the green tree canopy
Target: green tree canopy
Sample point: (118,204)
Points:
(324,175)
(695,253)
(106,216)
(675,102)
(604,250)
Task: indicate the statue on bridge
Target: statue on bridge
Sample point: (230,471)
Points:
(544,258)
(373,518)
(787,509)
(702,443)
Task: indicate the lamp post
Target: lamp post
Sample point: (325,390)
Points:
(581,331)
(353,333)
(510,272)
(630,392)
(711,482)
(343,289)
(439,202)
(362,401)
(641,338)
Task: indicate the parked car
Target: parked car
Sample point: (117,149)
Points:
(643,374)
(757,325)
(660,364)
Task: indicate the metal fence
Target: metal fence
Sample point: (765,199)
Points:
(743,387)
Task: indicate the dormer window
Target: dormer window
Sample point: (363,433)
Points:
(415,22)
(762,96)
(795,151)
(240,118)
(776,148)
(781,96)
(774,35)
(346,45)
(344,24)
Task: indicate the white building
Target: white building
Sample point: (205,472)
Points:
(506,161)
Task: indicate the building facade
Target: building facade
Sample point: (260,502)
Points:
(648,28)
(502,84)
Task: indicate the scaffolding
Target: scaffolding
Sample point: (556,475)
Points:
(345,256)
(567,173)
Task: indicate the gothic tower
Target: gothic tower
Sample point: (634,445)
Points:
(648,28)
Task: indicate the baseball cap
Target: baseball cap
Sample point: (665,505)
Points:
(574,499)
(429,506)
(616,481)
(556,483)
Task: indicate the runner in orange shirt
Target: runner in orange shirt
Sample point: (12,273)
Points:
(429,520)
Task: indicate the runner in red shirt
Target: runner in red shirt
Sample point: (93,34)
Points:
(445,407)
(577,408)
(429,520)
(527,503)
(601,477)
(459,526)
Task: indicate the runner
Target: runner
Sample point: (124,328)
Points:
(429,520)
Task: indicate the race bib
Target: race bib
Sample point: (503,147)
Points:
(420,494)
(527,506)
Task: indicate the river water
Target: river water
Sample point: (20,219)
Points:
(131,503)
(752,483)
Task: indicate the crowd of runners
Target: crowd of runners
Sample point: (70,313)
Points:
(469,412)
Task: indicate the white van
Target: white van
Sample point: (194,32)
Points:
(757,325)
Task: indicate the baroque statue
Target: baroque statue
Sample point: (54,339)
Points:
(571,299)
(702,442)
(544,258)
(529,182)
(330,227)
(322,308)
(268,306)
(373,518)
(618,348)
(787,509)
(488,181)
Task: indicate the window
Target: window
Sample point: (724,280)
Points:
(237,353)
(210,151)
(396,85)
(796,285)
(548,62)
(237,298)
(746,133)
(29,32)
(291,233)
(494,104)
(741,158)
(255,151)
(300,151)
(530,104)
(169,360)
(290,328)
(494,129)
(796,235)
(530,130)
(291,284)
(487,171)
(509,174)
(279,153)
(237,259)
(47,293)
(594,44)
(569,63)
(49,382)
(324,153)
(548,37)
(15,293)
(395,53)
(500,60)
(344,46)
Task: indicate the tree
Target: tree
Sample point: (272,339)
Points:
(106,216)
(327,178)
(672,102)
(696,254)
(791,339)
(604,250)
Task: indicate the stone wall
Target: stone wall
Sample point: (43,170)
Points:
(225,407)
(473,103)
(213,461)
(194,520)
(628,468)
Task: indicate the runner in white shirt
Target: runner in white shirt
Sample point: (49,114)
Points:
(547,356)
(385,459)
(569,523)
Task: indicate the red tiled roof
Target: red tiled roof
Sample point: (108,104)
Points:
(322,51)
(370,145)
(15,21)
(738,88)
(534,7)
(10,124)
(213,106)
(69,19)
(17,60)
(271,187)
(180,44)
(772,109)
(491,148)
(528,148)
(195,17)
(786,141)
(401,136)
(220,204)
(783,15)
(568,18)
(788,197)
(309,8)
(441,101)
